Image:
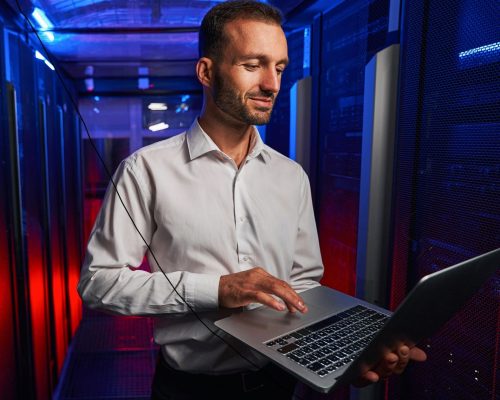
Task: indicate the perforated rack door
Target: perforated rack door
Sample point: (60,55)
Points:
(447,202)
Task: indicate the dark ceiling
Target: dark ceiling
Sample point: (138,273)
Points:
(123,38)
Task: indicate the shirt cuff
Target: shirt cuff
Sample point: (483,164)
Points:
(203,291)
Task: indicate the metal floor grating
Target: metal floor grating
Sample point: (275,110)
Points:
(116,333)
(110,357)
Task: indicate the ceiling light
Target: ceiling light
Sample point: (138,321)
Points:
(158,106)
(43,23)
(158,127)
(49,35)
(41,19)
(40,56)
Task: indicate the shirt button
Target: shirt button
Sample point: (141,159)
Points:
(242,219)
(245,258)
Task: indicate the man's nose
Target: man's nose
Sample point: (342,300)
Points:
(271,81)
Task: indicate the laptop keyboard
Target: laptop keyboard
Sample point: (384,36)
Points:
(331,343)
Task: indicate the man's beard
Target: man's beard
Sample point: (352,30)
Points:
(226,98)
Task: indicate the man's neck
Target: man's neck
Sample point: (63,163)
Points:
(233,139)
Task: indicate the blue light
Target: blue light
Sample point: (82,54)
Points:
(185,98)
(293,122)
(307,51)
(41,19)
(49,35)
(486,49)
(181,108)
(40,56)
(44,23)
(478,56)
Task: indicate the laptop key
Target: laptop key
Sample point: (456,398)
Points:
(299,353)
(311,358)
(315,366)
(314,346)
(293,357)
(288,348)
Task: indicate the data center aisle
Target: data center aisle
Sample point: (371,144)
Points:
(111,357)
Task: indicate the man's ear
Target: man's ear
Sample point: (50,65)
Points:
(204,71)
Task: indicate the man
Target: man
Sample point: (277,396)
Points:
(228,220)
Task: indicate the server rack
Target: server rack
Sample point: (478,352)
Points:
(36,213)
(446,204)
(352,32)
(278,129)
(9,307)
(31,273)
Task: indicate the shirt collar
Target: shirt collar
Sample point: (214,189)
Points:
(199,143)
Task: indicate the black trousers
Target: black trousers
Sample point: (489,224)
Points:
(268,383)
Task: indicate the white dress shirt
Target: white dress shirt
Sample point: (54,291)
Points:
(203,218)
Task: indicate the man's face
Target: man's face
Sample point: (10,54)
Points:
(247,78)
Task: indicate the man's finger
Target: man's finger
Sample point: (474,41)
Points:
(417,354)
(282,290)
(404,358)
(257,285)
(387,365)
(366,379)
(267,300)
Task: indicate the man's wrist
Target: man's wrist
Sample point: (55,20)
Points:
(203,291)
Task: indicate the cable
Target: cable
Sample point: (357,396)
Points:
(109,174)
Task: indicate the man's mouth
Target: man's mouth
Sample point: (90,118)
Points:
(265,102)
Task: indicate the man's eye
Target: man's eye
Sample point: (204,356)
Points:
(279,71)
(251,67)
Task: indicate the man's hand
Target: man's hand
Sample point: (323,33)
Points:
(392,363)
(258,286)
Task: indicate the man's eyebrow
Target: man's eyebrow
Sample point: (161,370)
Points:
(260,57)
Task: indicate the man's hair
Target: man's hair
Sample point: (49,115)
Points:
(211,36)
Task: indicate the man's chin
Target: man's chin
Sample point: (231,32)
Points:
(261,117)
(260,121)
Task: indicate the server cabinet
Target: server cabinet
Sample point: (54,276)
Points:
(96,179)
(52,175)
(9,344)
(351,33)
(73,216)
(278,129)
(447,200)
(31,272)
(41,218)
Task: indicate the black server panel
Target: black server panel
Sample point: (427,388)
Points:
(351,34)
(448,184)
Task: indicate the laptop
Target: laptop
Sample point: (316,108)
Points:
(341,336)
